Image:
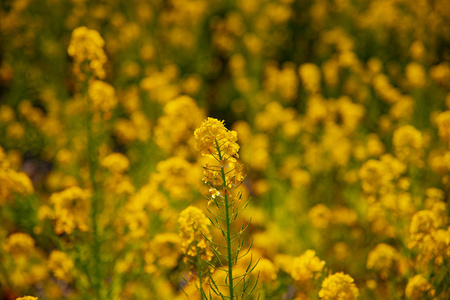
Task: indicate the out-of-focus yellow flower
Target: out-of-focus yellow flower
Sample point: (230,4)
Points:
(86,48)
(173,131)
(416,75)
(408,143)
(418,287)
(338,286)
(71,208)
(6,114)
(19,244)
(417,50)
(27,298)
(194,230)
(176,175)
(116,163)
(60,264)
(267,270)
(306,267)
(149,196)
(12,182)
(102,96)
(374,146)
(423,223)
(310,76)
(443,123)
(382,258)
(441,73)
(320,216)
(163,251)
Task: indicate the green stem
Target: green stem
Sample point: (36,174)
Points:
(228,237)
(93,165)
(227,219)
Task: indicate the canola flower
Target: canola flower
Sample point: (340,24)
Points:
(60,264)
(70,210)
(383,259)
(306,266)
(418,287)
(214,140)
(194,233)
(86,48)
(338,286)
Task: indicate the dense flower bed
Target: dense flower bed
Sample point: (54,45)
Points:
(194,149)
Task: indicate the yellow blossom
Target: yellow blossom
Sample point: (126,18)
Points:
(443,123)
(71,208)
(267,270)
(86,48)
(194,230)
(19,244)
(306,266)
(173,131)
(338,286)
(382,258)
(417,287)
(116,163)
(213,138)
(60,264)
(320,216)
(310,76)
(408,143)
(102,96)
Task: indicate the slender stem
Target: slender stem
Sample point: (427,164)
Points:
(93,165)
(227,217)
(227,220)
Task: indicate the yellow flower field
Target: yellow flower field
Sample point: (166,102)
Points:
(258,149)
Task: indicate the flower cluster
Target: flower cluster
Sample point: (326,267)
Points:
(338,286)
(212,138)
(86,48)
(69,209)
(194,233)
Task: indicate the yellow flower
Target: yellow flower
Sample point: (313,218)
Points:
(102,96)
(19,244)
(382,258)
(320,216)
(267,270)
(443,123)
(86,48)
(416,75)
(173,131)
(71,208)
(311,78)
(214,139)
(116,163)
(60,264)
(417,286)
(176,176)
(408,143)
(163,251)
(423,223)
(27,298)
(194,230)
(307,266)
(338,286)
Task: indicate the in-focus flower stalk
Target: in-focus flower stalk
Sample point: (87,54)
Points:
(213,139)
